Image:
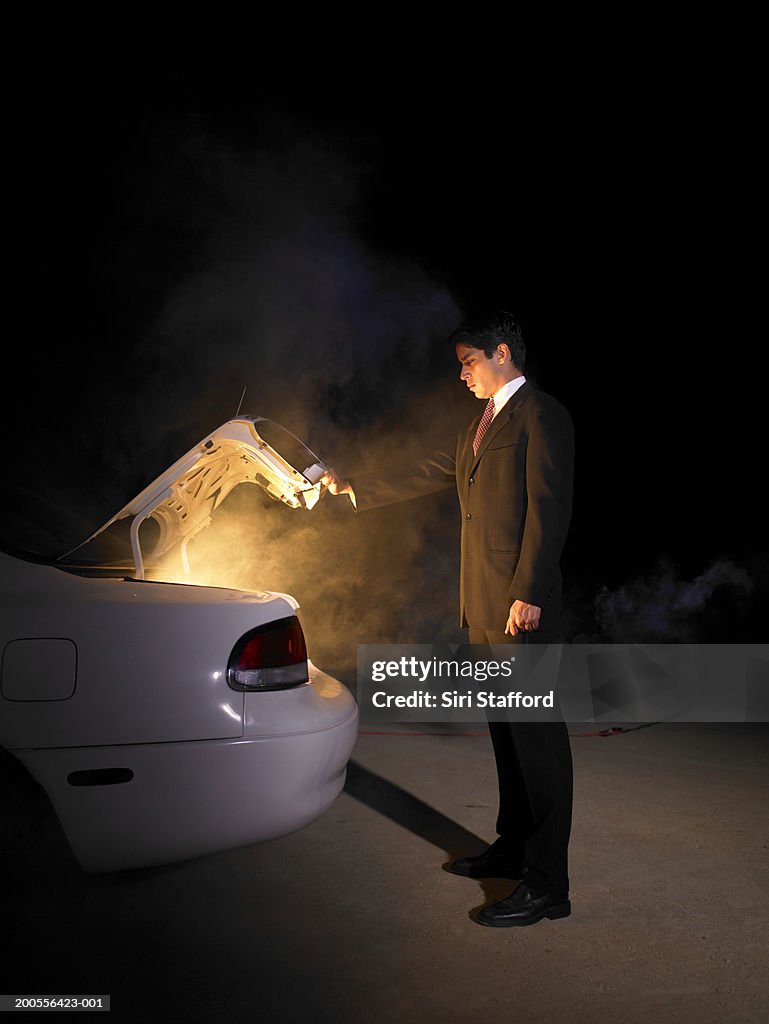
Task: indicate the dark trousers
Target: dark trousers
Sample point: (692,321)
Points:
(534,770)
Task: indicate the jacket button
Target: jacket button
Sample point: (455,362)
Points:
(469,515)
(472,480)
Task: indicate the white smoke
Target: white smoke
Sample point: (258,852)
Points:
(663,606)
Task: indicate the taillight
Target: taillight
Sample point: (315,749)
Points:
(270,657)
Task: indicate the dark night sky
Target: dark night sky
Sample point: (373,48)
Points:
(603,221)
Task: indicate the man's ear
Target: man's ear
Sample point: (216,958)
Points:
(503,353)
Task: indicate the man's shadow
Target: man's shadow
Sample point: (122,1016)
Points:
(424,821)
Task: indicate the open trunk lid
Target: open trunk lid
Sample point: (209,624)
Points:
(180,502)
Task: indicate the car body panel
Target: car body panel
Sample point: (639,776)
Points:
(319,705)
(190,799)
(114,691)
(127,633)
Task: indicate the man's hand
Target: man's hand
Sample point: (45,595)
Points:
(523,618)
(336,485)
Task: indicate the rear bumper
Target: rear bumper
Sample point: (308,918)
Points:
(175,801)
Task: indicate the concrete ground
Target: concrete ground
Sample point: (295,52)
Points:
(352,919)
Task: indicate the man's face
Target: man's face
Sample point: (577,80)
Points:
(483,376)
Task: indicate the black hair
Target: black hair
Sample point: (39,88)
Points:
(488,333)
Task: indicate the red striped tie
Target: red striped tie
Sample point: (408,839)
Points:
(483,426)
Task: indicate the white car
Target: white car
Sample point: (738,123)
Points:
(166,720)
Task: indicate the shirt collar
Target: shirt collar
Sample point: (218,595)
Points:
(506,392)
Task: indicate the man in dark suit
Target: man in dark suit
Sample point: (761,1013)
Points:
(513,471)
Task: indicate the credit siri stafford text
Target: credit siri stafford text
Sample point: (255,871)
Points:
(454,699)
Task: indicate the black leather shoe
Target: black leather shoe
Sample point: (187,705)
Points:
(492,863)
(524,906)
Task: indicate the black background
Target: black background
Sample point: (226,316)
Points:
(159,229)
(609,219)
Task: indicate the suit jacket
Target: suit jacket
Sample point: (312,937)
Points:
(515,497)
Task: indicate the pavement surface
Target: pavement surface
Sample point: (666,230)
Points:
(353,918)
